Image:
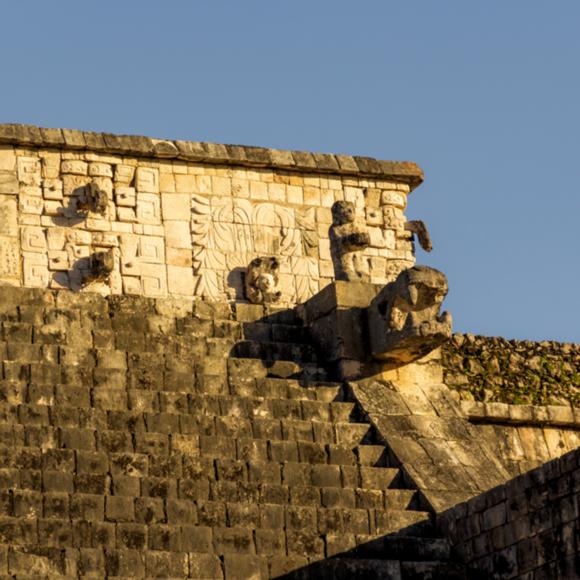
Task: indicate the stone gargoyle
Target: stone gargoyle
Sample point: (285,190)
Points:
(101,264)
(95,200)
(262,280)
(403,319)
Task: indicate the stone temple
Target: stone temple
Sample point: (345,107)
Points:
(223,362)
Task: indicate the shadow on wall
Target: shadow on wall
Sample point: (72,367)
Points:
(284,345)
(410,553)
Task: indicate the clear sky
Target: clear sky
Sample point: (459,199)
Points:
(485,96)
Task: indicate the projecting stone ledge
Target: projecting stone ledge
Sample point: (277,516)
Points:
(241,155)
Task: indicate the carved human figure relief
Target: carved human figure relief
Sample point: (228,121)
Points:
(348,240)
(262,280)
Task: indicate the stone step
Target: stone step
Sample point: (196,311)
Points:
(200,487)
(64,523)
(27,442)
(133,403)
(403,547)
(360,526)
(96,383)
(231,425)
(351,568)
(192,559)
(369,484)
(273,351)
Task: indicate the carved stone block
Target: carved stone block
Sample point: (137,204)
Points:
(8,216)
(33,239)
(29,171)
(153,280)
(74,167)
(125,196)
(29,204)
(95,199)
(101,265)
(262,281)
(148,208)
(36,274)
(151,250)
(147,180)
(9,257)
(404,321)
(124,173)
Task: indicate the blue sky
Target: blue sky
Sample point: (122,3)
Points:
(483,95)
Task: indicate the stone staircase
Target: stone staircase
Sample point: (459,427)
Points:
(133,444)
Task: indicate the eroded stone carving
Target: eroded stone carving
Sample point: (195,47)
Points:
(348,241)
(419,229)
(94,200)
(101,265)
(404,321)
(262,281)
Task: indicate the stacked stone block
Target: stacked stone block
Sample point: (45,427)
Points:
(135,444)
(527,528)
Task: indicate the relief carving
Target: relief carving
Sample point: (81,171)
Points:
(101,266)
(94,200)
(404,321)
(348,241)
(262,280)
(224,228)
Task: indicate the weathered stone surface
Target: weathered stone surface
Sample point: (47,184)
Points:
(404,320)
(262,281)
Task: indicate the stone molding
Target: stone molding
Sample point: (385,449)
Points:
(241,155)
(535,415)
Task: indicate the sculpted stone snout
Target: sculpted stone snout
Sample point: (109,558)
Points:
(262,281)
(404,320)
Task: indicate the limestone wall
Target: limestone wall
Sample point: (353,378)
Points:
(527,528)
(184,219)
(494,369)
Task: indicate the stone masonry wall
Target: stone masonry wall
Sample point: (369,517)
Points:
(525,436)
(156,438)
(512,371)
(185,219)
(526,528)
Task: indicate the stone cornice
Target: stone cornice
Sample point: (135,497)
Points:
(240,155)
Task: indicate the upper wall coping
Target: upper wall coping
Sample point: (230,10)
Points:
(241,155)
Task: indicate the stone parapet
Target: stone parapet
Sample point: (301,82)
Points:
(213,153)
